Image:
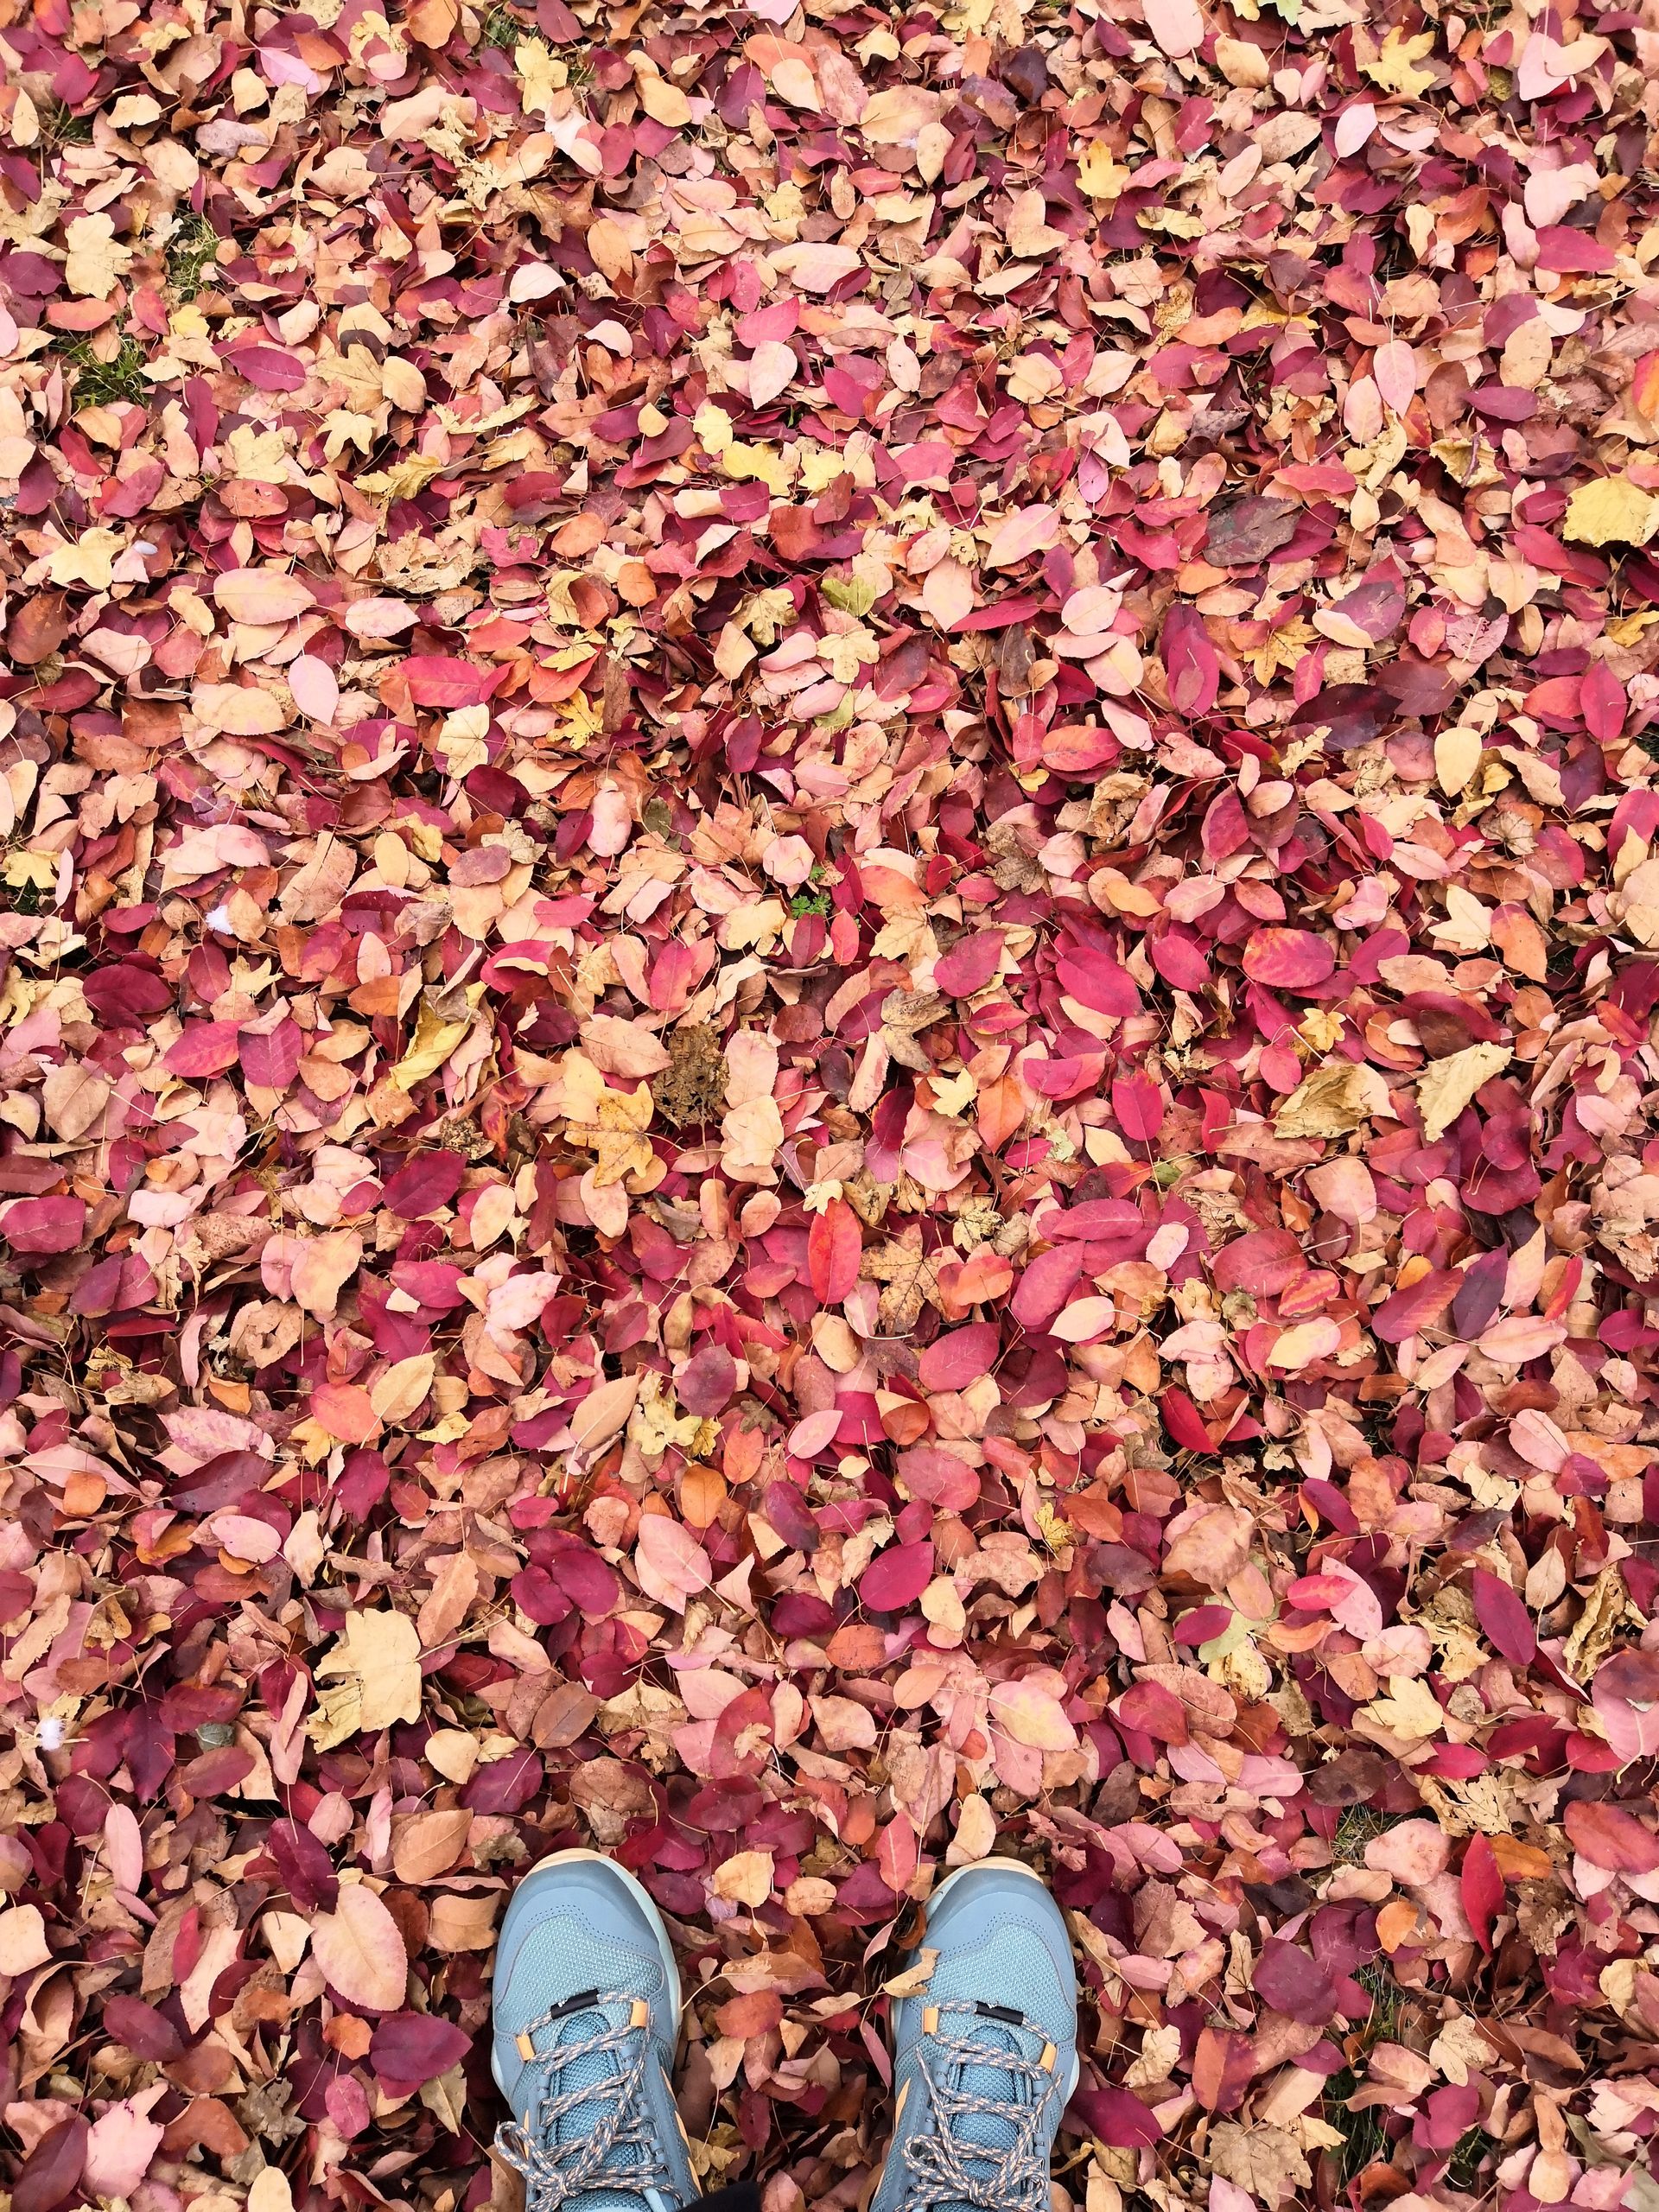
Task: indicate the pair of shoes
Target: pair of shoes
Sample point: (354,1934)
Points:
(586,2000)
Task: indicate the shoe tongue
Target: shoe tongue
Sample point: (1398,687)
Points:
(593,2071)
(991,2134)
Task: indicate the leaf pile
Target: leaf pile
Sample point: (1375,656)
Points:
(827,1038)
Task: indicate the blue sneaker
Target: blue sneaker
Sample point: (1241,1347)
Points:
(985,2060)
(587,2017)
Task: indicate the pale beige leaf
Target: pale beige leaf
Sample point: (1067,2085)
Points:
(452,1753)
(379,1658)
(1032,1717)
(270,2191)
(23,1939)
(976,1833)
(74,1096)
(603,1413)
(403,1387)
(1447,1085)
(360,1949)
(426,1844)
(454,1586)
(239,709)
(745,1878)
(1330,1101)
(1265,2162)
(1457,756)
(915,1978)
(262,595)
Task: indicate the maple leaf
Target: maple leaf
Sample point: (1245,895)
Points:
(378,1656)
(1394,68)
(1282,648)
(908,1279)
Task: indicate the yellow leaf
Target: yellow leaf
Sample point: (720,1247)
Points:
(1394,69)
(714,428)
(1410,1709)
(404,1386)
(539,75)
(1611,509)
(1457,755)
(664,103)
(1100,175)
(89,560)
(96,259)
(1447,1085)
(406,480)
(745,1878)
(1328,1102)
(765,464)
(378,1658)
(434,1039)
(26,871)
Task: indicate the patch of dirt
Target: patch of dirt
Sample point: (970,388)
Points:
(693,1087)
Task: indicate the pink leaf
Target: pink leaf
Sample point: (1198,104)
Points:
(1026,531)
(315,686)
(673,1566)
(952,1361)
(44,1225)
(1603,702)
(1177,25)
(1394,368)
(1608,1836)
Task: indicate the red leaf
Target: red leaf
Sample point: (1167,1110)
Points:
(51,2173)
(938,1477)
(205,1048)
(1482,1886)
(1223,2066)
(1504,1619)
(1404,1312)
(1603,703)
(1139,1105)
(1156,1711)
(833,1249)
(441,680)
(1190,661)
(896,1577)
(271,1057)
(424,1184)
(410,2048)
(970,965)
(44,1225)
(1118,2117)
(1287,959)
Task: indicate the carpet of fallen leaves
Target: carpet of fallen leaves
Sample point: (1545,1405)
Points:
(831,943)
